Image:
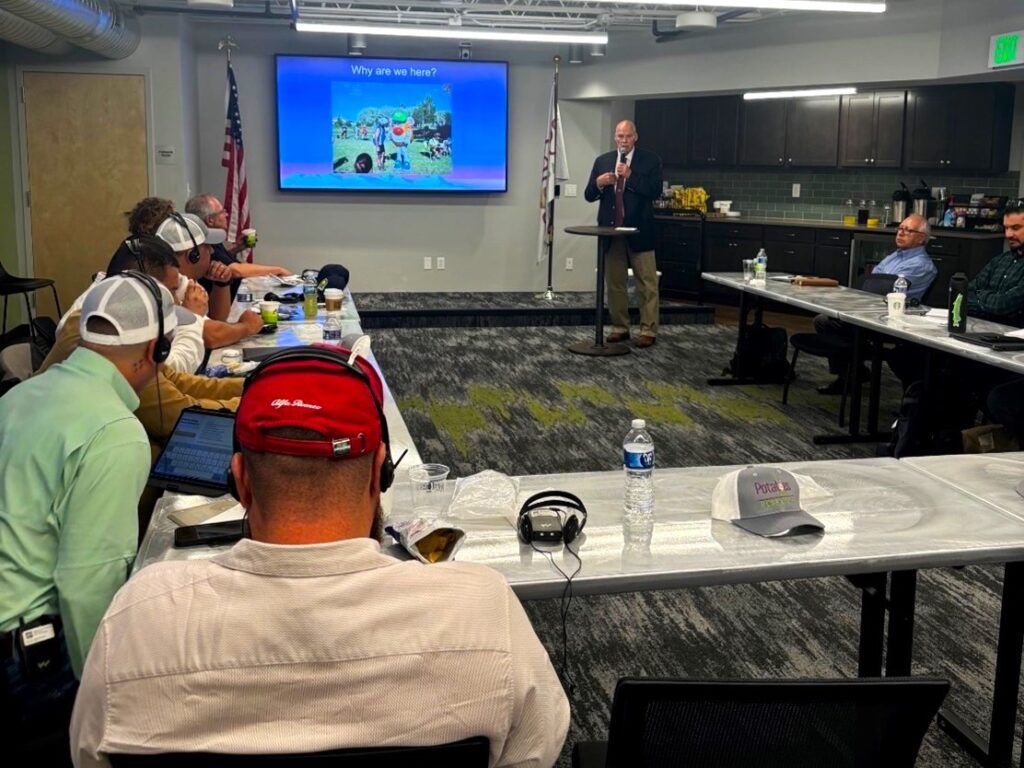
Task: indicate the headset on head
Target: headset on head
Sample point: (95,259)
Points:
(162,348)
(193,255)
(387,468)
(134,246)
(558,501)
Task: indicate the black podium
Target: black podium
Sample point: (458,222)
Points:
(599,348)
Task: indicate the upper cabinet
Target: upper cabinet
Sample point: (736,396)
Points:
(959,127)
(714,124)
(782,132)
(661,125)
(871,134)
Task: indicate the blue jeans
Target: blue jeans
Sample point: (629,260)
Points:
(36,713)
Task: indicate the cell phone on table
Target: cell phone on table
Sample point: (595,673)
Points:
(209,534)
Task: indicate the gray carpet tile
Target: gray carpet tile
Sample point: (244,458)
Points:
(517,401)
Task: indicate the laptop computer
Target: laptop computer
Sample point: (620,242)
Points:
(999,342)
(196,457)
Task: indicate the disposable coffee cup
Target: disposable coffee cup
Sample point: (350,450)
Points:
(332,299)
(268,311)
(249,237)
(897,303)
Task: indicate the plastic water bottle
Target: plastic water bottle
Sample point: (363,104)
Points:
(760,268)
(638,462)
(901,285)
(332,327)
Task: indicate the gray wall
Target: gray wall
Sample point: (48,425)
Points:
(491,241)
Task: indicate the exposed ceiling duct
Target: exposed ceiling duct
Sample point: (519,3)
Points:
(96,25)
(16,30)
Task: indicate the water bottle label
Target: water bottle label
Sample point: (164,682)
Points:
(638,460)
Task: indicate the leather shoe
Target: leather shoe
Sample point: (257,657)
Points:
(616,337)
(645,341)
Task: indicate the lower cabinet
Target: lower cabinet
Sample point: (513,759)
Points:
(679,254)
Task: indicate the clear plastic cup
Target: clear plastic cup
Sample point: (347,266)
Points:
(748,270)
(430,493)
(332,299)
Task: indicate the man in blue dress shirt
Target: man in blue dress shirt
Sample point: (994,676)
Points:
(911,260)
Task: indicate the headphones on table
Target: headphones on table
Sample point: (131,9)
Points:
(162,348)
(551,517)
(387,468)
(193,255)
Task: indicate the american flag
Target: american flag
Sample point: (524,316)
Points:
(236,191)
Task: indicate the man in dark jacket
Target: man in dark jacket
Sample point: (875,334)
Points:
(627,181)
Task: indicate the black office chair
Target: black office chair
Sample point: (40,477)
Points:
(854,723)
(468,753)
(836,346)
(12,286)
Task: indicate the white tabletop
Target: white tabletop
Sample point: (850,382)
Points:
(826,301)
(879,514)
(989,477)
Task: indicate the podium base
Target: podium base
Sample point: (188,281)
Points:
(598,350)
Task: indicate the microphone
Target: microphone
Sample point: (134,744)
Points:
(622,158)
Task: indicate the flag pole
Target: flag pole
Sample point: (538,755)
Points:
(226,45)
(549,235)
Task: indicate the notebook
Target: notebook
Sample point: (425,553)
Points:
(196,457)
(999,342)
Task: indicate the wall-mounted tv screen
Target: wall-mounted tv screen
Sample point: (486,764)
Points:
(394,125)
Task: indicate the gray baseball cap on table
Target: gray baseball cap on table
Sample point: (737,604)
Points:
(762,500)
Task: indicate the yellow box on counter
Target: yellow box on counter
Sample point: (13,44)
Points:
(850,221)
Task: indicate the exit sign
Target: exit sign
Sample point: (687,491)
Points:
(1006,50)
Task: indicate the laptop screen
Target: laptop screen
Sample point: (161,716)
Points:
(197,455)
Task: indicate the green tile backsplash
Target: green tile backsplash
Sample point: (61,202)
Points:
(823,195)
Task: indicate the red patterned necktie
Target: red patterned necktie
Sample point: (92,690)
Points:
(620,206)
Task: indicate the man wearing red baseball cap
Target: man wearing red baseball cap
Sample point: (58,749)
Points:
(305,637)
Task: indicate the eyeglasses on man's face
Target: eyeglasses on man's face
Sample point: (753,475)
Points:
(908,231)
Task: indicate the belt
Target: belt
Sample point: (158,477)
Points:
(9,639)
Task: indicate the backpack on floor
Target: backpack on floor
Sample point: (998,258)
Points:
(917,432)
(762,355)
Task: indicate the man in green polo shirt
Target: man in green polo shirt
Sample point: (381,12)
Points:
(74,460)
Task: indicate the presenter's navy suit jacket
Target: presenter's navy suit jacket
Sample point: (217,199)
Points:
(642,188)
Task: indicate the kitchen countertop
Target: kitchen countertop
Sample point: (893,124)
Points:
(818,224)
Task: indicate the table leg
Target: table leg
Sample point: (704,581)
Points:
(899,649)
(855,435)
(872,622)
(998,750)
(599,348)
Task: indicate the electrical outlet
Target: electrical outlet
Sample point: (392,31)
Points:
(569,262)
(570,190)
(796,190)
(427,262)
(440,262)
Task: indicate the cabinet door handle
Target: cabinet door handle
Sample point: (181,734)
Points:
(780,159)
(790,160)
(790,253)
(791,234)
(937,259)
(867,159)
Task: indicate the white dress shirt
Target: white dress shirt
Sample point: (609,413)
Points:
(284,649)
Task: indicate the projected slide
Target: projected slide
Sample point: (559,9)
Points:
(396,125)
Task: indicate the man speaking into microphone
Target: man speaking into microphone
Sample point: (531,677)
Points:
(627,181)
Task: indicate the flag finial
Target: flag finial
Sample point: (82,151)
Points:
(226,44)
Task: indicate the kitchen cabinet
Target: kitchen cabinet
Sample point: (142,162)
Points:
(959,127)
(832,261)
(871,130)
(790,132)
(790,249)
(714,125)
(725,247)
(661,125)
(678,252)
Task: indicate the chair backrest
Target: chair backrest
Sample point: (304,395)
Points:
(771,723)
(468,753)
(880,283)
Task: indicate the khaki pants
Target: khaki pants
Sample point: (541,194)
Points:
(617,259)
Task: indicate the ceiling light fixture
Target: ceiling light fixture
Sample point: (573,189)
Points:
(756,95)
(575,54)
(457,33)
(778,5)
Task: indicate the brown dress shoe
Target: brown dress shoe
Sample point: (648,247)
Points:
(645,341)
(616,336)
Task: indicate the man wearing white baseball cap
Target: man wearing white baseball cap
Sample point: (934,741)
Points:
(193,244)
(74,461)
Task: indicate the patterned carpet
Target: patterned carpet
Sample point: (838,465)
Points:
(517,401)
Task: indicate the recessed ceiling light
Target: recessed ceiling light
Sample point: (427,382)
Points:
(456,33)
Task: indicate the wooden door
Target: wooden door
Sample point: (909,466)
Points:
(927,130)
(763,135)
(857,137)
(85,136)
(889,110)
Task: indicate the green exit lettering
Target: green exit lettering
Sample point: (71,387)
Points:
(1006,49)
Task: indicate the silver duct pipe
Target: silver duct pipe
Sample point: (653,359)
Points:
(28,35)
(96,25)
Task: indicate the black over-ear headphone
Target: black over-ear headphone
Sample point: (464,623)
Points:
(134,246)
(387,469)
(561,524)
(193,255)
(162,348)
